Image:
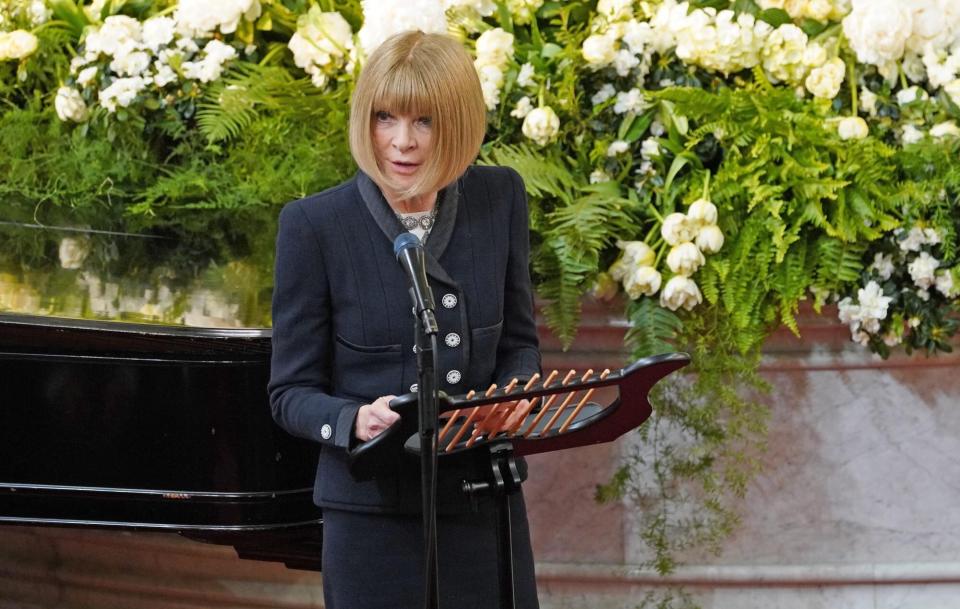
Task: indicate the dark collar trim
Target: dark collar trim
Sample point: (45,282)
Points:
(447,200)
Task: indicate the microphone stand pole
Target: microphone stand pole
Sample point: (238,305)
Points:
(428,403)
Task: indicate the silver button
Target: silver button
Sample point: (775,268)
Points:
(326,431)
(414,348)
(452,339)
(449,300)
(413,388)
(453,377)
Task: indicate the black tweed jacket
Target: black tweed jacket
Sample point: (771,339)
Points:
(343,329)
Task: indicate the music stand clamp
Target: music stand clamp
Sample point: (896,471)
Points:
(504,481)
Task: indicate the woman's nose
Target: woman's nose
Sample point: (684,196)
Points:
(404,139)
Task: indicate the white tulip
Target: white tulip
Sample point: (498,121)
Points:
(676,229)
(17,44)
(710,239)
(70,106)
(644,280)
(685,259)
(702,213)
(637,253)
(679,292)
(73,251)
(541,125)
(853,128)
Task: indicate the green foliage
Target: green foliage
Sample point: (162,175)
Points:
(574,223)
(652,328)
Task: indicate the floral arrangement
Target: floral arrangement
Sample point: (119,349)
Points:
(712,162)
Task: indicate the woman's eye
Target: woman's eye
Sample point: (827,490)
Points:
(425,121)
(382,115)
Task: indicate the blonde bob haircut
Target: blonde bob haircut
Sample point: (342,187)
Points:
(428,75)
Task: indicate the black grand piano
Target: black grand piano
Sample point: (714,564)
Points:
(147,427)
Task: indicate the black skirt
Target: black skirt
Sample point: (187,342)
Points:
(374,561)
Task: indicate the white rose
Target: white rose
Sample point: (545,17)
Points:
(702,213)
(636,35)
(710,239)
(122,92)
(541,125)
(599,50)
(824,82)
(922,270)
(384,18)
(677,229)
(73,251)
(679,292)
(17,44)
(70,105)
(643,281)
(784,53)
(853,128)
(685,259)
(878,30)
(617,147)
(494,47)
(158,32)
(130,64)
(323,41)
(117,32)
(199,18)
(944,129)
(930,25)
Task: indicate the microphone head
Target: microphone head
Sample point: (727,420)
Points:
(405,241)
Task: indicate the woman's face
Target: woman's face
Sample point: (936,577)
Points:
(402,144)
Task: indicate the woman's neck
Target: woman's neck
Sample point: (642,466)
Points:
(418,203)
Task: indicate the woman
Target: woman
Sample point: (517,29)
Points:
(343,331)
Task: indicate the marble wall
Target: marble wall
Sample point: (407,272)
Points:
(855,508)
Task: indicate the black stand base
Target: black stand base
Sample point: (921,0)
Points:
(504,481)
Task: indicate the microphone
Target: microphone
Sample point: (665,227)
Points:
(409,252)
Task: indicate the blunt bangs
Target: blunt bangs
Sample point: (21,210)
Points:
(427,75)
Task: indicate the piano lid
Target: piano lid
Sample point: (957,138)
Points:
(139,402)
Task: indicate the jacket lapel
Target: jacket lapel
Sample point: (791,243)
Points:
(448,200)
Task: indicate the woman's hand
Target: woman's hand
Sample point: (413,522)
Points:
(372,419)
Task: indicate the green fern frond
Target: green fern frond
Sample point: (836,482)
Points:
(542,175)
(652,328)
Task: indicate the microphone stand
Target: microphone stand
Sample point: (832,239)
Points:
(428,410)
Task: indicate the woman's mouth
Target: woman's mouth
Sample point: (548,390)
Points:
(404,167)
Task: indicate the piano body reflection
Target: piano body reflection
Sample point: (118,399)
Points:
(146,427)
